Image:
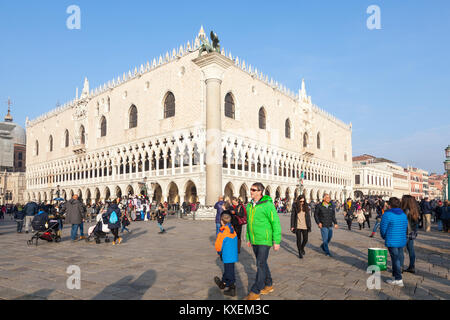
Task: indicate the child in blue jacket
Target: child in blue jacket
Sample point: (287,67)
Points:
(227,247)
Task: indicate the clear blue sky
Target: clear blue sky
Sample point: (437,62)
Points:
(392,84)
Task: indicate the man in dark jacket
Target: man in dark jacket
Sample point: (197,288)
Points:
(325,217)
(218,207)
(75,214)
(30,209)
(19,216)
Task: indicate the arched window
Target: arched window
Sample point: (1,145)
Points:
(229,106)
(50,143)
(133,117)
(333,153)
(318,140)
(305,140)
(169,106)
(82,135)
(287,129)
(66,138)
(36,145)
(262,119)
(103,127)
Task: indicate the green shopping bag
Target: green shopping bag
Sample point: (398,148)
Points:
(378,257)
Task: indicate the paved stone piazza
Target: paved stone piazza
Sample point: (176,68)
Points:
(182,263)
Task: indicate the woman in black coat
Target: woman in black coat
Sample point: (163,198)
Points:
(237,210)
(301,223)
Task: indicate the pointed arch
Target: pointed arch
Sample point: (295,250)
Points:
(66,138)
(132,117)
(230,106)
(103,127)
(169,105)
(287,129)
(50,143)
(262,118)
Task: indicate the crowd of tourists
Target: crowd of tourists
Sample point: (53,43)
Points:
(397,220)
(75,214)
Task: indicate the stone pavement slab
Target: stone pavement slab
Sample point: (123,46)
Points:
(182,263)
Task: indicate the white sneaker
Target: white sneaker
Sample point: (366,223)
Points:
(395,282)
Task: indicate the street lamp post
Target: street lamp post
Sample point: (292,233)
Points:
(447,169)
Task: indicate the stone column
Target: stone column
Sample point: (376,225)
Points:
(213,66)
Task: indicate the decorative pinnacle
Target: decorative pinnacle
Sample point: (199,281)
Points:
(201,33)
(9,117)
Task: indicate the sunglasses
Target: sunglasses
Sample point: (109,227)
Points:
(254,190)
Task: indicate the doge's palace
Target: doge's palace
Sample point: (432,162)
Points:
(189,127)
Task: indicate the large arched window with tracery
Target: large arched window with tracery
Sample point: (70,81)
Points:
(169,106)
(133,117)
(229,106)
(50,144)
(66,138)
(287,129)
(305,140)
(262,119)
(103,127)
(318,140)
(82,135)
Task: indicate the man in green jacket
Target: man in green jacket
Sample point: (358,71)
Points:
(263,232)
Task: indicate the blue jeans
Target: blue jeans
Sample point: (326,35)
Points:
(218,226)
(397,258)
(412,254)
(327,234)
(263,276)
(440,225)
(377,225)
(228,275)
(19,226)
(124,228)
(74,232)
(160,227)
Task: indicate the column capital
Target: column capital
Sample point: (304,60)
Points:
(213,65)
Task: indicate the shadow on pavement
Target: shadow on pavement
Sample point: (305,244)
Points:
(42,294)
(127,289)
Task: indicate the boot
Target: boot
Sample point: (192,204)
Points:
(372,235)
(230,291)
(219,283)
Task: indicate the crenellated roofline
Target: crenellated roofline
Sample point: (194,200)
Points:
(175,55)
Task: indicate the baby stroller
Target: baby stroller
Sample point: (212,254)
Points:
(45,228)
(100,230)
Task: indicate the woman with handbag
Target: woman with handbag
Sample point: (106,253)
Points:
(360,215)
(301,223)
(349,208)
(367,213)
(409,206)
(238,219)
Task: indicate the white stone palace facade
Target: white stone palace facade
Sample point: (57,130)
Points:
(189,128)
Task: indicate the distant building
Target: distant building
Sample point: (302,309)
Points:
(418,181)
(12,161)
(436,182)
(372,177)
